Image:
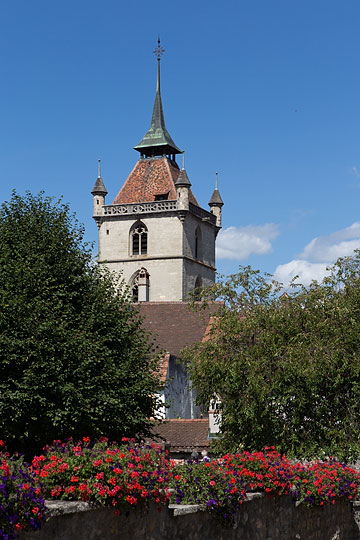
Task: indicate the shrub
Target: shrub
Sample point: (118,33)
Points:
(74,358)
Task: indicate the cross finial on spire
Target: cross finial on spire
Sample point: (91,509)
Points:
(99,168)
(216,181)
(159,50)
(183,160)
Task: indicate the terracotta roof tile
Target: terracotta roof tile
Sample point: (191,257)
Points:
(150,177)
(163,367)
(173,325)
(184,435)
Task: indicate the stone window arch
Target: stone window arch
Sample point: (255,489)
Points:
(139,285)
(138,239)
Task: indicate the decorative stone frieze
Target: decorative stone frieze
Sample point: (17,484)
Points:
(139,208)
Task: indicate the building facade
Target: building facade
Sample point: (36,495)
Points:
(154,232)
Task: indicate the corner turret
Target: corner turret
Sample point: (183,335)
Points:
(182,186)
(216,203)
(99,193)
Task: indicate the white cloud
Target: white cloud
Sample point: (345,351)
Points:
(329,248)
(240,242)
(307,272)
(355,172)
(318,254)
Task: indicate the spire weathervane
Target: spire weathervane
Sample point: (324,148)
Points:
(99,168)
(159,50)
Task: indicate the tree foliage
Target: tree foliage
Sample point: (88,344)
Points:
(286,367)
(73,357)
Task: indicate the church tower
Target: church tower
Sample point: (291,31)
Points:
(155,232)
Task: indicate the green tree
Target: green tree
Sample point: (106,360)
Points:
(286,368)
(73,358)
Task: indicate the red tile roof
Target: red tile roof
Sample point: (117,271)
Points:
(173,325)
(163,367)
(150,177)
(184,435)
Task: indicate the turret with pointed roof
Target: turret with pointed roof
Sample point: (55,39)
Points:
(99,193)
(157,140)
(216,203)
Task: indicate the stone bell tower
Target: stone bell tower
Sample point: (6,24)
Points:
(155,232)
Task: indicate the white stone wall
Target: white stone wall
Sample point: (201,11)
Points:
(170,253)
(163,259)
(207,245)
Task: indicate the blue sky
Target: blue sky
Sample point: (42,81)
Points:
(267,93)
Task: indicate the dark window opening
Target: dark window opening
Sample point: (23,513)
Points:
(135,293)
(139,240)
(136,239)
(197,243)
(143,244)
(162,197)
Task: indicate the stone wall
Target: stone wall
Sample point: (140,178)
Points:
(260,518)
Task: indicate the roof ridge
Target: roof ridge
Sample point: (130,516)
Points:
(167,420)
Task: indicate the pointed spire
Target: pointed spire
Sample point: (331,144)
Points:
(157,140)
(99,187)
(216,199)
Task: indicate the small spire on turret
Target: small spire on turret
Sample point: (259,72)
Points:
(99,187)
(216,199)
(216,202)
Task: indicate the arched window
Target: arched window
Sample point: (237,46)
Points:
(197,251)
(139,285)
(138,239)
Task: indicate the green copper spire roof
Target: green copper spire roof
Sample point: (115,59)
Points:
(157,140)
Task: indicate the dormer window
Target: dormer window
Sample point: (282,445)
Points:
(138,239)
(162,196)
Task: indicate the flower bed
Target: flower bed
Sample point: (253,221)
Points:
(222,484)
(21,503)
(104,472)
(128,475)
